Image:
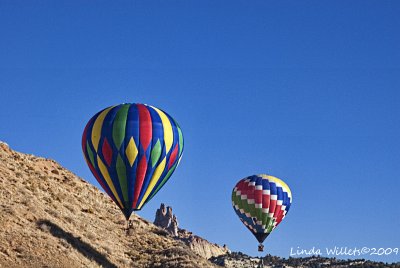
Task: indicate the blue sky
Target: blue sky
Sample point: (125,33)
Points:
(305,91)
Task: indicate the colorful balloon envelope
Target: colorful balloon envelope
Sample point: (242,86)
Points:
(132,150)
(261,202)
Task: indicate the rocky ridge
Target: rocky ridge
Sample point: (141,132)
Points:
(168,221)
(52,218)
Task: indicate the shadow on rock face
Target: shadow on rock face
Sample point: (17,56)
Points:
(84,248)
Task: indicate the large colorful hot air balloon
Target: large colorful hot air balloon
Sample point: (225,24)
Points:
(261,202)
(132,150)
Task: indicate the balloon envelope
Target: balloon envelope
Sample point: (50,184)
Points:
(132,150)
(261,202)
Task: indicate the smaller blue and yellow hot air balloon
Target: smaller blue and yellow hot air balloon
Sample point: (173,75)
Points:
(261,202)
(132,150)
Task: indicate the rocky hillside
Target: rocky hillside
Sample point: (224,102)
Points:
(49,217)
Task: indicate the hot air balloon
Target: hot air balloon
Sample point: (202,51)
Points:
(261,202)
(132,151)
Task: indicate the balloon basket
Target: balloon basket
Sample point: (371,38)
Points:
(260,248)
(129,227)
(261,263)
